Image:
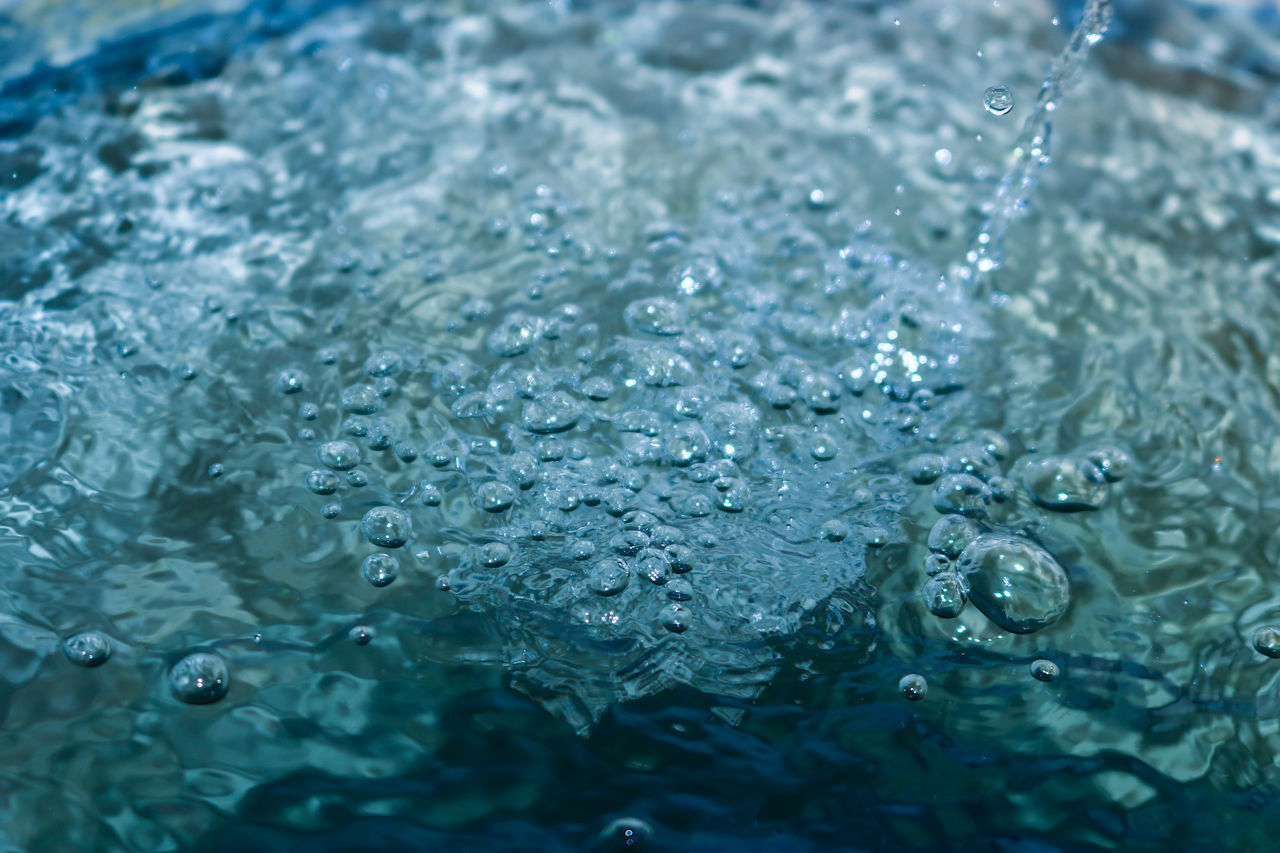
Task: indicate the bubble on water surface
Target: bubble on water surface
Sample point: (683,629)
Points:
(386,527)
(1015,584)
(1267,641)
(1113,462)
(998,100)
(495,496)
(609,576)
(200,678)
(87,649)
(913,687)
(341,455)
(361,635)
(1044,670)
(380,569)
(963,494)
(625,833)
(322,482)
(1065,484)
(945,594)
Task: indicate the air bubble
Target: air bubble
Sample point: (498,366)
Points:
(625,833)
(199,679)
(926,468)
(964,494)
(380,569)
(1113,462)
(1267,641)
(1044,670)
(495,496)
(359,400)
(361,635)
(87,649)
(386,527)
(913,687)
(291,381)
(998,100)
(556,412)
(322,482)
(609,576)
(951,534)
(1065,484)
(945,595)
(1015,584)
(657,316)
(341,455)
(675,618)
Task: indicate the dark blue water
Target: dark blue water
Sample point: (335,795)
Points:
(567,425)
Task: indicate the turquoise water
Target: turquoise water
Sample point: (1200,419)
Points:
(471,425)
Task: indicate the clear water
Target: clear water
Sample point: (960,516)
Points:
(502,426)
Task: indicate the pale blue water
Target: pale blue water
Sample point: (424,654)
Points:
(470,425)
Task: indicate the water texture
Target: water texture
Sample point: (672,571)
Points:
(504,426)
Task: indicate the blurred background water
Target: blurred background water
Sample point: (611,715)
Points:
(569,425)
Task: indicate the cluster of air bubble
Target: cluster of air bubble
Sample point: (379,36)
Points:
(708,456)
(978,553)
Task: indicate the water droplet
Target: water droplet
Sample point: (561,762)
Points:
(380,569)
(1044,670)
(1267,641)
(87,649)
(945,594)
(609,576)
(913,687)
(341,455)
(1015,584)
(200,678)
(1065,484)
(952,534)
(998,100)
(386,526)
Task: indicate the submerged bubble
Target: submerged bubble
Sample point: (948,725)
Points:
(361,635)
(380,569)
(1267,641)
(360,399)
(87,649)
(199,679)
(945,594)
(1015,584)
(494,554)
(1044,670)
(341,455)
(291,381)
(1065,484)
(998,100)
(913,687)
(386,526)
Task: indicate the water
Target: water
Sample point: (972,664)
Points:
(546,425)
